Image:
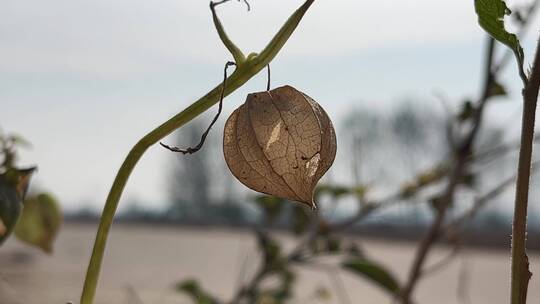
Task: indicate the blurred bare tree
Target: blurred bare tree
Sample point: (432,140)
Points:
(200,188)
(190,177)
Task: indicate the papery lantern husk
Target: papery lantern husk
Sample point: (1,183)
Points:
(280,142)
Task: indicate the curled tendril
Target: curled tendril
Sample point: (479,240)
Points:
(224,1)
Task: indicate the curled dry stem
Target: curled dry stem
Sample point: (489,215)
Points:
(224,1)
(268,79)
(191,150)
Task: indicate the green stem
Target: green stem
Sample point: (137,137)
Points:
(520,263)
(245,71)
(237,54)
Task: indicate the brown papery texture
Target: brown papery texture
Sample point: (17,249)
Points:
(280,142)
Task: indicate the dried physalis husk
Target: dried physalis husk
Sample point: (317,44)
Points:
(280,142)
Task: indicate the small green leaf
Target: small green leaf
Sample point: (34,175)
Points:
(40,221)
(360,191)
(374,272)
(13,186)
(497,89)
(197,294)
(10,207)
(467,111)
(491,18)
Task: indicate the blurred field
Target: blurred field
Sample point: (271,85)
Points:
(143,263)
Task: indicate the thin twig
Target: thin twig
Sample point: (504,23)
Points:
(368,207)
(247,4)
(481,201)
(462,152)
(460,221)
(492,153)
(191,150)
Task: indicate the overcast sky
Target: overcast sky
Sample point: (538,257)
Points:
(83,80)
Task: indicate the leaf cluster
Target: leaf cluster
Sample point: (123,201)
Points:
(35,219)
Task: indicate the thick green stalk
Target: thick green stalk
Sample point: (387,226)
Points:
(520,262)
(246,69)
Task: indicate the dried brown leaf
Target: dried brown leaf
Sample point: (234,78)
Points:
(280,142)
